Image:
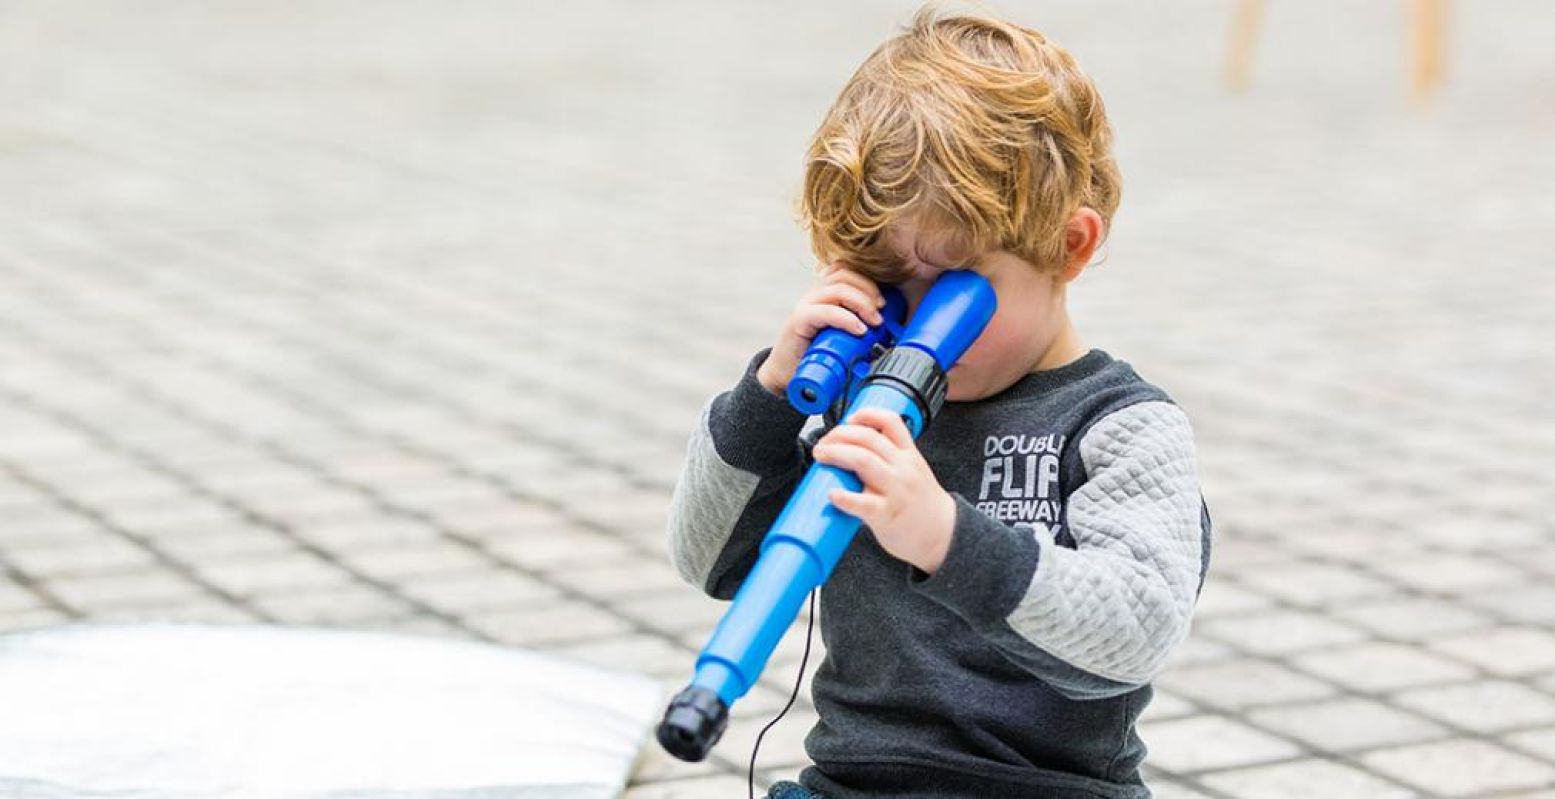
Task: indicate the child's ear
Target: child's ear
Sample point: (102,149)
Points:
(1082,235)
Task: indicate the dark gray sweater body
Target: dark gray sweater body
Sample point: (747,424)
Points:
(1020,667)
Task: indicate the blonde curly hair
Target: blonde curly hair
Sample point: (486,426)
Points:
(983,132)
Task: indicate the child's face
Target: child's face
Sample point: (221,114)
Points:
(1030,314)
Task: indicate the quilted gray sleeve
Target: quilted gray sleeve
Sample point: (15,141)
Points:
(1100,619)
(709,500)
(749,450)
(709,497)
(1121,601)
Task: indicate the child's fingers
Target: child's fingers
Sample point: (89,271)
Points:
(861,506)
(812,318)
(851,297)
(862,283)
(890,425)
(869,467)
(862,435)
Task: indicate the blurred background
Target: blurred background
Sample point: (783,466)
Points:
(398,315)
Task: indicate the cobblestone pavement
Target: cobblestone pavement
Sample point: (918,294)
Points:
(397,315)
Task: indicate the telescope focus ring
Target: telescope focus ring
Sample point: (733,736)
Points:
(916,371)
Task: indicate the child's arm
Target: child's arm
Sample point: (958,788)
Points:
(1098,620)
(743,461)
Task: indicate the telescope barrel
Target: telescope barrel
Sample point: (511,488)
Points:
(810,536)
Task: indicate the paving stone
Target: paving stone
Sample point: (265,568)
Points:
(1222,597)
(1232,552)
(149,518)
(299,505)
(207,521)
(764,701)
(1166,705)
(622,579)
(1358,542)
(1278,632)
(1540,560)
(115,591)
(674,610)
(228,545)
(1540,742)
(1412,619)
(1208,742)
(1484,706)
(122,487)
(629,508)
(201,610)
(1167,788)
(1503,651)
(1243,682)
(558,623)
(479,591)
(1527,604)
(1314,585)
(639,652)
(1305,778)
(365,532)
(1198,649)
(1446,573)
(783,744)
(1497,536)
(495,521)
(1345,724)
(399,563)
(56,528)
(278,573)
(1460,768)
(1382,666)
(333,605)
(30,618)
(564,550)
(656,765)
(14,597)
(413,625)
(364,462)
(426,497)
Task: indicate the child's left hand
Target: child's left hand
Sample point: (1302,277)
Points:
(902,502)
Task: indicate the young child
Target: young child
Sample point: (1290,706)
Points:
(1026,567)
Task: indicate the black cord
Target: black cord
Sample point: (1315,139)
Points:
(751,778)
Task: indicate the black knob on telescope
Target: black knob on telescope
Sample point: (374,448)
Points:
(917,374)
(694,722)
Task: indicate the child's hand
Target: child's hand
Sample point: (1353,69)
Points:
(912,516)
(845,300)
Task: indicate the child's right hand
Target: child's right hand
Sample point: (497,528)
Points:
(845,300)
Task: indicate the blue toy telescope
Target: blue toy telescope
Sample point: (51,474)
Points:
(810,535)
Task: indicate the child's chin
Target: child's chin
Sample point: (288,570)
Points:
(956,388)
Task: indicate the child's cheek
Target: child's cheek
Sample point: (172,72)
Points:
(992,344)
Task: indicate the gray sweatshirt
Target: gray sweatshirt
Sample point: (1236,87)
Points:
(1019,668)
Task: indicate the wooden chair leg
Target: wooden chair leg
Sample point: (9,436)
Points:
(1429,18)
(1244,32)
